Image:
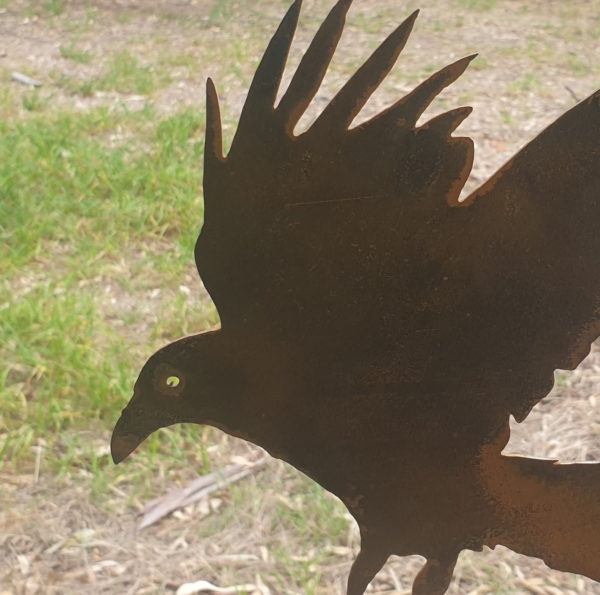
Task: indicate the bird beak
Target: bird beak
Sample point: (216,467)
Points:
(130,431)
(122,444)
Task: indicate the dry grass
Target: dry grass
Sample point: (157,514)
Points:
(74,528)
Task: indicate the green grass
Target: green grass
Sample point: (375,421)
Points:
(88,200)
(579,66)
(324,525)
(481,5)
(480,63)
(124,17)
(374,24)
(123,73)
(34,101)
(506,117)
(44,8)
(89,182)
(126,75)
(526,82)
(54,7)
(220,11)
(71,52)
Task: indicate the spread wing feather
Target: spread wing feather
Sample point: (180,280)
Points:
(353,240)
(535,262)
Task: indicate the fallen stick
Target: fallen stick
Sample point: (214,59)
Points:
(25,80)
(200,488)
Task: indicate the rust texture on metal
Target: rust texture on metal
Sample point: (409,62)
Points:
(376,332)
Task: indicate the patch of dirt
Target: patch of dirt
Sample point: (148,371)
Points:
(54,536)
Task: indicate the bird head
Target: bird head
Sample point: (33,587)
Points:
(186,381)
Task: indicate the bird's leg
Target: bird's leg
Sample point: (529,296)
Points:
(435,576)
(367,564)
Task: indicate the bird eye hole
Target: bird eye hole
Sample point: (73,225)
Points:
(173,381)
(169,380)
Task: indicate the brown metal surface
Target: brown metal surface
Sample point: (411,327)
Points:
(376,333)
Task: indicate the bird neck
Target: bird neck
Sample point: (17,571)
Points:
(247,381)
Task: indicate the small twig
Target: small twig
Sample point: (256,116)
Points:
(25,80)
(200,488)
(38,449)
(205,587)
(573,94)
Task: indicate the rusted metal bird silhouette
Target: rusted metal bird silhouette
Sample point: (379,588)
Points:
(376,332)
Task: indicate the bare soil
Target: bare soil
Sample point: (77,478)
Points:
(537,57)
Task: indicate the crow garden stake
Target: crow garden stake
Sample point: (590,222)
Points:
(376,332)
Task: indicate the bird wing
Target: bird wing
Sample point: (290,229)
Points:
(293,223)
(531,255)
(351,242)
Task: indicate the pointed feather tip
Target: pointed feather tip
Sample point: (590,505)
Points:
(468,59)
(467,110)
(445,124)
(295,7)
(212,99)
(453,71)
(406,26)
(459,115)
(396,40)
(340,9)
(213,135)
(290,19)
(413,16)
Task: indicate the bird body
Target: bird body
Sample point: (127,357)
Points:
(377,332)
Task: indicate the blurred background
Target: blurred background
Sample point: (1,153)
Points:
(101,144)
